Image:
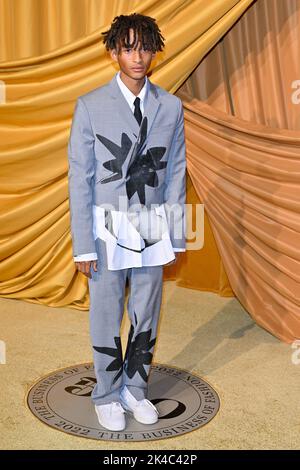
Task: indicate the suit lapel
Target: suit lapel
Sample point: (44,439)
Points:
(152,103)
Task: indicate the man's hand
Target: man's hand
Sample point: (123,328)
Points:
(84,267)
(174,260)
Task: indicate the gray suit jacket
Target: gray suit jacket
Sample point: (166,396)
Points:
(111,155)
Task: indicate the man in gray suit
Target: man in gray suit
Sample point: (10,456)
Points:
(127,195)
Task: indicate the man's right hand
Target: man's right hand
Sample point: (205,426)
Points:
(85,266)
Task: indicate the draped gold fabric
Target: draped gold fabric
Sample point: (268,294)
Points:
(253,72)
(242,160)
(43,73)
(247,177)
(243,135)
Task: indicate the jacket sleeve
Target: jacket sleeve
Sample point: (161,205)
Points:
(81,172)
(86,257)
(175,191)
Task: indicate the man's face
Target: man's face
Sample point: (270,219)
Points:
(133,62)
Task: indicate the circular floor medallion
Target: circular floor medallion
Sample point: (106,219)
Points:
(185,403)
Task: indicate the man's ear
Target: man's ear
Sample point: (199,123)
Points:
(113,54)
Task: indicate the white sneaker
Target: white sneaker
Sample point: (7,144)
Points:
(111,416)
(143,410)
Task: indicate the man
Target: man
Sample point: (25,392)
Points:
(126,146)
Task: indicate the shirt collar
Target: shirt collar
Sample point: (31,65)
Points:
(130,97)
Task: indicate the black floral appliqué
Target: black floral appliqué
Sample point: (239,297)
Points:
(143,167)
(137,353)
(117,364)
(119,153)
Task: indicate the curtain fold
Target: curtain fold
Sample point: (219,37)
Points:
(253,72)
(200,269)
(42,73)
(248,177)
(242,121)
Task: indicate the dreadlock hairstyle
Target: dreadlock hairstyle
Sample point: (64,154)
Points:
(145,30)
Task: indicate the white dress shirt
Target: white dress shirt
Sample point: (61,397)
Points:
(125,224)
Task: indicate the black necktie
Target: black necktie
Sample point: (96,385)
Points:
(137,111)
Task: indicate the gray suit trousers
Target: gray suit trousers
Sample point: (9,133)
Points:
(107,297)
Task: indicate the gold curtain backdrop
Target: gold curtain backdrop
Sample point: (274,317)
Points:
(244,172)
(243,134)
(36,255)
(252,72)
(247,177)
